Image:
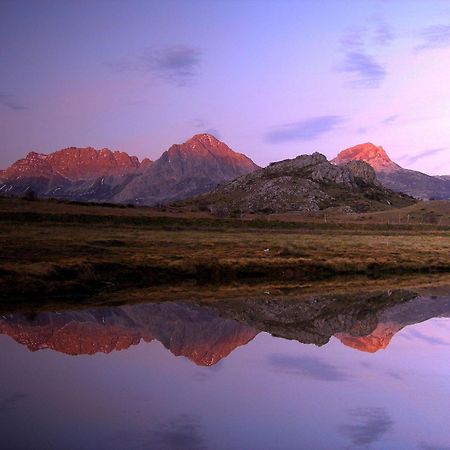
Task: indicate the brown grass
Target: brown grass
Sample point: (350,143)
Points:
(57,254)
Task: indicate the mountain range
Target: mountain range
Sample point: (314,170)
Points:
(207,334)
(201,164)
(87,174)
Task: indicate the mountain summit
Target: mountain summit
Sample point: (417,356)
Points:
(371,154)
(395,177)
(194,167)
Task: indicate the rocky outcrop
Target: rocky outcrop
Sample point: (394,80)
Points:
(393,176)
(314,319)
(306,184)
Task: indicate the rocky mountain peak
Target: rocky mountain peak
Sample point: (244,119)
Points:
(371,154)
(204,138)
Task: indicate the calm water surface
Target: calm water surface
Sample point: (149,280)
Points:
(316,372)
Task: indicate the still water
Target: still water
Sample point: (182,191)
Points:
(316,372)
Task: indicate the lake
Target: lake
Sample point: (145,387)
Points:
(285,371)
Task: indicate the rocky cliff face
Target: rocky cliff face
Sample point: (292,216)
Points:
(394,177)
(306,184)
(187,169)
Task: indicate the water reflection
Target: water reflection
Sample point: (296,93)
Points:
(205,334)
(237,385)
(197,333)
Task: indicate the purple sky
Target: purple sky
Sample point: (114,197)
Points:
(272,79)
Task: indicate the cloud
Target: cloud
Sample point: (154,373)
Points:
(304,130)
(199,123)
(363,69)
(436,36)
(367,426)
(8,101)
(388,120)
(383,34)
(177,65)
(12,400)
(428,446)
(425,338)
(411,159)
(180,433)
(307,366)
(394,375)
(354,38)
(204,127)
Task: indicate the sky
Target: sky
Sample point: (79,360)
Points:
(271,78)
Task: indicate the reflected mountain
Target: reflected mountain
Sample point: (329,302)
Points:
(394,319)
(207,334)
(187,330)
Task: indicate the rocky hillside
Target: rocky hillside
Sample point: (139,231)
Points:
(86,174)
(306,184)
(392,176)
(185,170)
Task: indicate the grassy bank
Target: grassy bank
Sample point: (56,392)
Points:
(54,249)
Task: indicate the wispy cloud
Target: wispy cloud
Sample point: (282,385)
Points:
(204,126)
(389,119)
(411,159)
(177,65)
(383,33)
(8,101)
(367,426)
(436,36)
(307,366)
(363,69)
(433,340)
(12,400)
(428,446)
(199,123)
(304,130)
(182,432)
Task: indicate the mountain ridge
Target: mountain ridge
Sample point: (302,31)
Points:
(87,174)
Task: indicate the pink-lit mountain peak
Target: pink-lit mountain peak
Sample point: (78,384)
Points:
(74,163)
(371,154)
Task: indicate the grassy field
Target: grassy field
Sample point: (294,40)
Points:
(53,249)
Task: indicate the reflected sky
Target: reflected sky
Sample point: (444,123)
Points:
(267,392)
